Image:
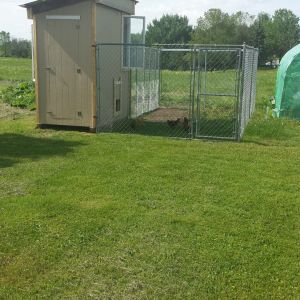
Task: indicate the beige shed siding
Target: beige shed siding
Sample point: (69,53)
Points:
(77,87)
(109,30)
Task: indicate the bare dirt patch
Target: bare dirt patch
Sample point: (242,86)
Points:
(164,114)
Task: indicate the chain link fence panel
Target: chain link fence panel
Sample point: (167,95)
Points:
(248,87)
(197,91)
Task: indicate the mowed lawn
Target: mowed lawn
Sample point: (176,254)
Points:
(111,216)
(12,69)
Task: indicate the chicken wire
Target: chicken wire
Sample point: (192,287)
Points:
(198,91)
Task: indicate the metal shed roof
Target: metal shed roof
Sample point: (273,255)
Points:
(39,6)
(49,2)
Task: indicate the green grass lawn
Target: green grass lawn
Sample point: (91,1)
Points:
(15,69)
(115,216)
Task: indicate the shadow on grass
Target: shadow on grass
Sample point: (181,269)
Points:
(14,147)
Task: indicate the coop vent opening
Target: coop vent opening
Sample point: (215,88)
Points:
(117,96)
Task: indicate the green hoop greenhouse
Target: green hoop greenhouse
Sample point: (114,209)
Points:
(287,95)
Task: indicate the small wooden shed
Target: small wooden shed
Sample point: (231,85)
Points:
(65,35)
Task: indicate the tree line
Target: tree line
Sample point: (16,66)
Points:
(12,47)
(273,34)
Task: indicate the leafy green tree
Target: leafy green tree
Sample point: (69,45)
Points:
(169,29)
(213,28)
(4,43)
(275,35)
(136,38)
(217,27)
(14,47)
(285,31)
(260,36)
(242,22)
(20,48)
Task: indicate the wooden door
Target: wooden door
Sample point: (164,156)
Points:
(62,70)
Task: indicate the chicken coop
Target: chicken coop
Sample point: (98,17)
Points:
(65,34)
(93,71)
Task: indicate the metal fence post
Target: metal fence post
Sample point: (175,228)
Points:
(192,94)
(251,85)
(241,100)
(205,80)
(198,120)
(98,83)
(238,93)
(160,75)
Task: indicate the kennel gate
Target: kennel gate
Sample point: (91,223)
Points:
(217,93)
(198,91)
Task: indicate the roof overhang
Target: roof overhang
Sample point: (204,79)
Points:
(40,6)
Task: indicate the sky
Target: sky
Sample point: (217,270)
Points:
(13,18)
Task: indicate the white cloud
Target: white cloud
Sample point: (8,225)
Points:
(14,19)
